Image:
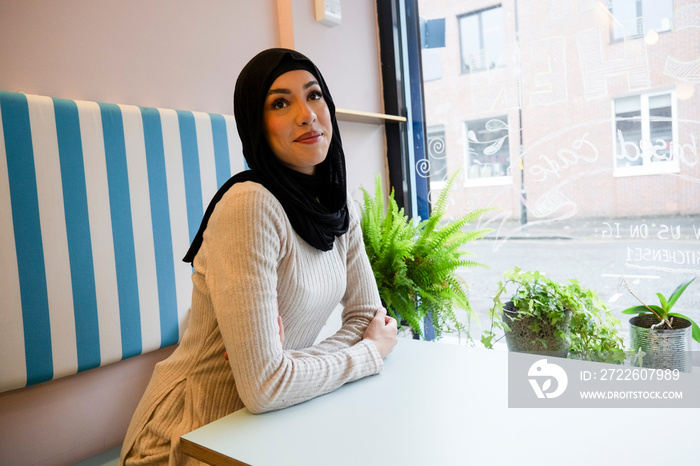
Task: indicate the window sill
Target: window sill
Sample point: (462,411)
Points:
(356,116)
(660,169)
(485,182)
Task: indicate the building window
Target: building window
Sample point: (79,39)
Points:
(482,39)
(488,151)
(645,134)
(437,156)
(431,60)
(637,18)
(432,43)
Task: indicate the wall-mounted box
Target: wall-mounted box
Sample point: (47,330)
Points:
(328,12)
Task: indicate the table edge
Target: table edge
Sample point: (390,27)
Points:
(207,455)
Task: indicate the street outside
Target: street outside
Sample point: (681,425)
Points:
(598,254)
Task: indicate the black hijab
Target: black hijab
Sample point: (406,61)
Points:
(315,204)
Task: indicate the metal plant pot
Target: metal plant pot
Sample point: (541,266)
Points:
(664,348)
(522,339)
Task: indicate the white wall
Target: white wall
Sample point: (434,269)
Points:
(176,54)
(348,57)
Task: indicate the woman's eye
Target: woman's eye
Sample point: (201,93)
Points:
(278,104)
(315,95)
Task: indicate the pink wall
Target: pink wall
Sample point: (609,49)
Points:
(173,54)
(68,419)
(342,53)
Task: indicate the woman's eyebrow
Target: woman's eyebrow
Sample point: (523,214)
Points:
(287,91)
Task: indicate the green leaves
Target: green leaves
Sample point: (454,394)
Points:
(594,331)
(663,312)
(696,329)
(486,339)
(644,309)
(415,264)
(677,294)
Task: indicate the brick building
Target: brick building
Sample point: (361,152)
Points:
(568,107)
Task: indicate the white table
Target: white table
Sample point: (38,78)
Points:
(439,404)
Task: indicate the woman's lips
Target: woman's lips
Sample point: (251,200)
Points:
(309,138)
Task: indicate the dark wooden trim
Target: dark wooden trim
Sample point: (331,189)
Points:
(207,455)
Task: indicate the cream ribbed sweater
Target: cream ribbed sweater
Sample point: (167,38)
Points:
(250,261)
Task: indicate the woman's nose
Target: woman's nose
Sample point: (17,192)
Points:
(305,114)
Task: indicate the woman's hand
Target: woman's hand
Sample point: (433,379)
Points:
(279,322)
(382,332)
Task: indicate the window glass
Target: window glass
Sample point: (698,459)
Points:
(492,33)
(586,146)
(432,44)
(644,134)
(660,127)
(481,39)
(626,20)
(657,15)
(437,164)
(628,132)
(472,56)
(432,64)
(635,18)
(488,148)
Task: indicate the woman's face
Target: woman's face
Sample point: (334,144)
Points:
(297,121)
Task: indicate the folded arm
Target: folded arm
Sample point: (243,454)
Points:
(361,301)
(243,242)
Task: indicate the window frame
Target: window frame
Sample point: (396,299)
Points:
(503,180)
(400,50)
(648,167)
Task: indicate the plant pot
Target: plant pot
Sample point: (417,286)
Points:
(522,339)
(664,348)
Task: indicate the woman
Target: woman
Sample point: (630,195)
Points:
(279,243)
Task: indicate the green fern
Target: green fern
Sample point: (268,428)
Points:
(415,265)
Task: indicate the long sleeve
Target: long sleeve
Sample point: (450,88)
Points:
(251,259)
(361,299)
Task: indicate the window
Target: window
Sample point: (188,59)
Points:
(561,164)
(488,151)
(432,43)
(644,135)
(431,60)
(636,18)
(482,39)
(437,157)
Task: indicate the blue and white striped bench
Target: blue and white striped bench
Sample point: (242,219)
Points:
(98,204)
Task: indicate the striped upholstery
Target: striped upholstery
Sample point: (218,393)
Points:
(98,204)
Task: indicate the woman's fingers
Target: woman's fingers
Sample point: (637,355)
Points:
(382,332)
(281,326)
(382,314)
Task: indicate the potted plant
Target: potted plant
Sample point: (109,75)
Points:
(559,319)
(416,264)
(595,331)
(663,335)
